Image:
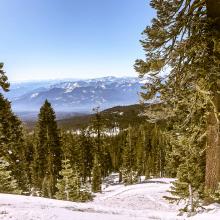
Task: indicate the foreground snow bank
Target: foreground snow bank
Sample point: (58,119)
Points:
(137,202)
(212,213)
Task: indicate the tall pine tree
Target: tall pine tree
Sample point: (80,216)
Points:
(96,176)
(85,155)
(129,173)
(184,41)
(47,156)
(12,146)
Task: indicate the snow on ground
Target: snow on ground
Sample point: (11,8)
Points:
(142,201)
(212,213)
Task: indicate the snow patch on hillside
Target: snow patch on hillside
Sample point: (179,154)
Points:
(34,95)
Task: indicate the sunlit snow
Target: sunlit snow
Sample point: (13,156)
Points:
(142,201)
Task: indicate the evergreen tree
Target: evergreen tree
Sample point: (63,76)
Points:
(47,156)
(12,146)
(3,79)
(29,143)
(129,173)
(159,148)
(69,184)
(97,126)
(184,40)
(7,183)
(85,155)
(100,149)
(70,142)
(141,151)
(190,174)
(116,143)
(96,176)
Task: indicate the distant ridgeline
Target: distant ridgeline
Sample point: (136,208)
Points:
(75,95)
(118,116)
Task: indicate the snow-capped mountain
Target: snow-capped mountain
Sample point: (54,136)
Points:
(76,95)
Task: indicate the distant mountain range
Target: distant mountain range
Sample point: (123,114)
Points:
(75,95)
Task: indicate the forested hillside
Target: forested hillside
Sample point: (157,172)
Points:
(120,116)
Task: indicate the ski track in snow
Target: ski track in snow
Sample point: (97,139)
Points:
(135,202)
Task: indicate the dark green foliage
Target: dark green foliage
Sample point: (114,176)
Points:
(129,174)
(47,156)
(182,65)
(11,138)
(98,129)
(115,148)
(79,148)
(69,143)
(190,174)
(215,196)
(7,183)
(141,151)
(159,150)
(129,115)
(85,155)
(12,146)
(69,186)
(96,177)
(147,144)
(29,143)
(191,169)
(121,116)
(3,79)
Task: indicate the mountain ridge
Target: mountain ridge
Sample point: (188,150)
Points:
(75,95)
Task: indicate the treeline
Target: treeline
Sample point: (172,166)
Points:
(70,165)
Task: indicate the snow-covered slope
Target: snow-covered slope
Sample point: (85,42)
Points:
(141,202)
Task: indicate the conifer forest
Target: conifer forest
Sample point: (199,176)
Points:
(175,134)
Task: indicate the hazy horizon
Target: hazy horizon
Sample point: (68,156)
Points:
(69,79)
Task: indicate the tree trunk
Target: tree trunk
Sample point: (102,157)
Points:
(212,177)
(213,10)
(213,148)
(191,205)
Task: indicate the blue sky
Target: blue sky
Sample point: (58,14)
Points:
(47,39)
